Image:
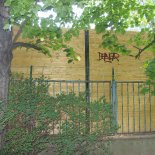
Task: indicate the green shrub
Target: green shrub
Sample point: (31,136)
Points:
(149,85)
(73,138)
(31,111)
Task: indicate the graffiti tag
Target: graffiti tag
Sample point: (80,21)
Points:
(108,57)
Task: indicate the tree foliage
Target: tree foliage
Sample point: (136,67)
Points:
(110,17)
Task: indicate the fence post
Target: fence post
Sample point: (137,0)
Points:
(87,83)
(114,96)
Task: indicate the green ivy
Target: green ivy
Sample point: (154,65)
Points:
(149,86)
(31,110)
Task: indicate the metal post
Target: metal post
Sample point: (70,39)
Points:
(31,78)
(31,70)
(87,79)
(114,96)
(113,74)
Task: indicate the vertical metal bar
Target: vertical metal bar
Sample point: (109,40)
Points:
(60,87)
(54,89)
(116,106)
(48,84)
(98,118)
(73,87)
(60,124)
(139,106)
(79,87)
(114,97)
(87,78)
(128,110)
(122,107)
(150,107)
(133,90)
(79,124)
(66,87)
(110,94)
(92,92)
(31,78)
(113,74)
(31,72)
(144,111)
(97,91)
(103,90)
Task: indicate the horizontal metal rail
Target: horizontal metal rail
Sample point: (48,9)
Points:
(71,81)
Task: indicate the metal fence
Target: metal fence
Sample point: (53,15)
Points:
(98,89)
(134,111)
(74,112)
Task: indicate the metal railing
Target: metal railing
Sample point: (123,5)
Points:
(98,89)
(135,110)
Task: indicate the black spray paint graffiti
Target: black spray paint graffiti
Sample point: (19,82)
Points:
(108,57)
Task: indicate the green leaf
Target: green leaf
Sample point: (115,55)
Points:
(8,2)
(70,61)
(6,26)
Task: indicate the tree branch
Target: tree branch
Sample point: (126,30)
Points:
(26,45)
(141,50)
(19,31)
